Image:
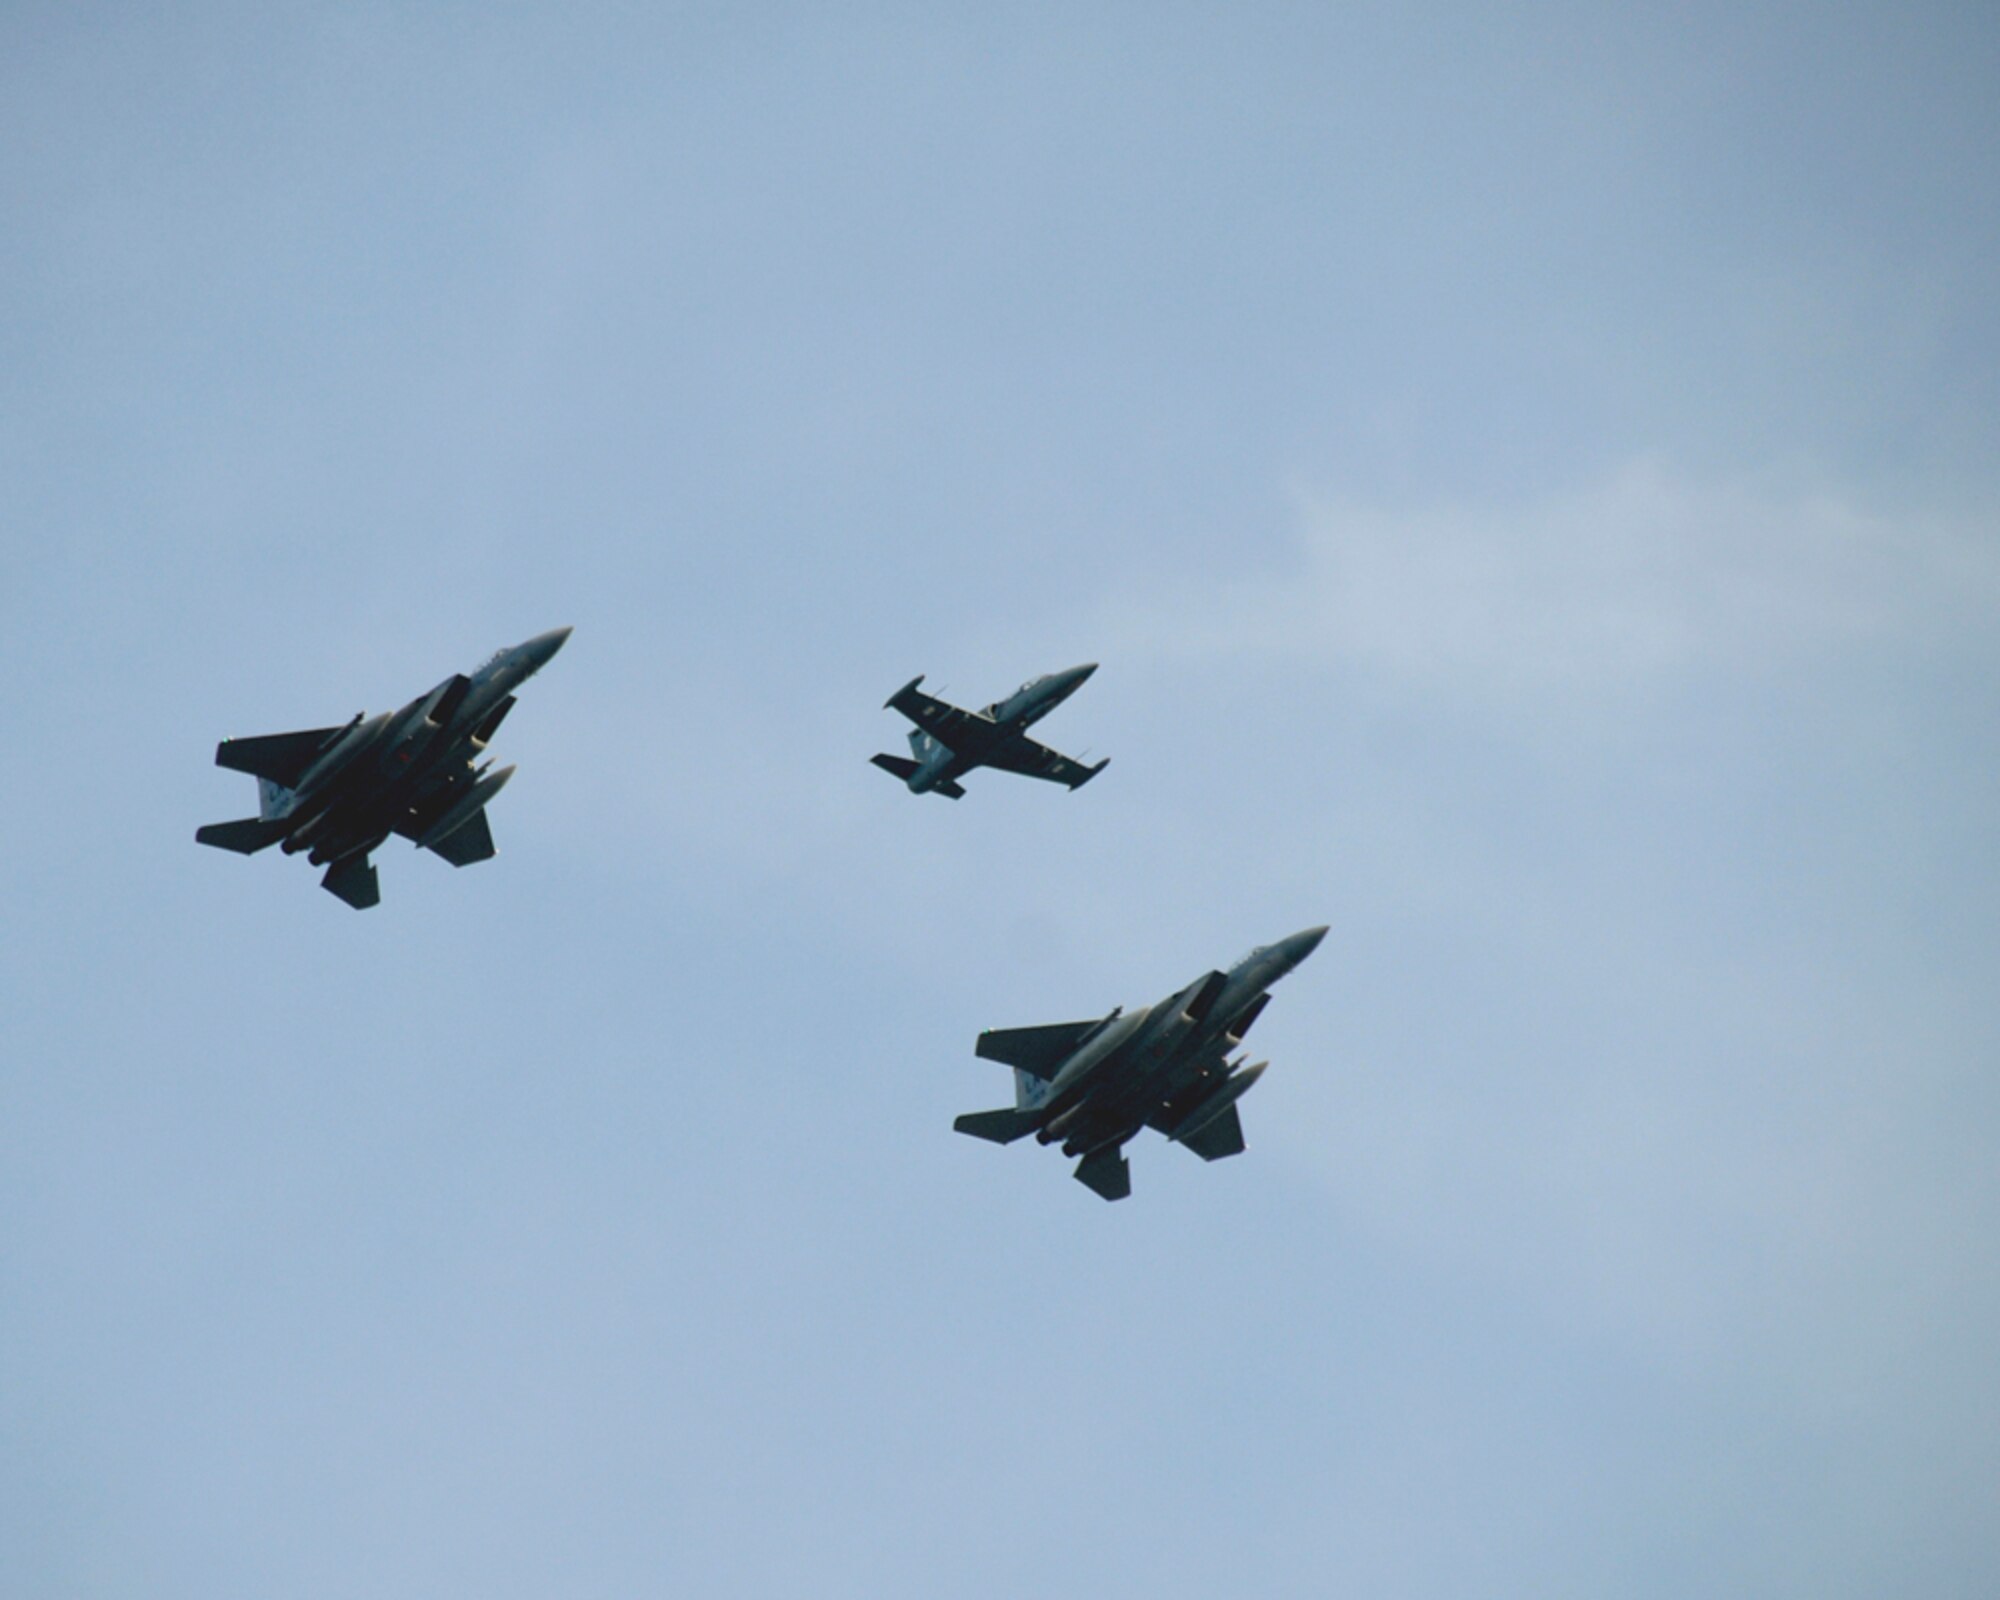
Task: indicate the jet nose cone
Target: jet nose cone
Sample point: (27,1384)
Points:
(1068,681)
(539,649)
(1300,945)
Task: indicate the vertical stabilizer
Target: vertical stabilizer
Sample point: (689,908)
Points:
(1030,1092)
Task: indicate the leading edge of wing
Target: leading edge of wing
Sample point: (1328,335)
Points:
(1039,1051)
(1031,759)
(281,757)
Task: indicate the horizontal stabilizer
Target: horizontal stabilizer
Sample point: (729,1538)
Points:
(353,880)
(1039,1051)
(1107,1172)
(1000,1127)
(1218,1137)
(470,841)
(281,757)
(906,769)
(246,837)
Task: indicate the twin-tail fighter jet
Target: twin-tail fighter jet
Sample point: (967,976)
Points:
(1090,1086)
(339,792)
(949,742)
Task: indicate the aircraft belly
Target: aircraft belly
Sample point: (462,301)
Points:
(338,793)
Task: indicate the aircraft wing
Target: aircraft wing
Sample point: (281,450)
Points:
(1220,1138)
(470,841)
(1039,1052)
(949,725)
(1209,1073)
(281,757)
(1031,760)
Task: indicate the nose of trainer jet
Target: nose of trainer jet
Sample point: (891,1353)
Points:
(1068,682)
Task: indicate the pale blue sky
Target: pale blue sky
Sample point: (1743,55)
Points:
(1531,486)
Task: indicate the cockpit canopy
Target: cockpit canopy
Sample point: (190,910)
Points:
(992,712)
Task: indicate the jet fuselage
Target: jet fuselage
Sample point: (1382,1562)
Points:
(938,763)
(948,741)
(404,761)
(1165,1066)
(408,771)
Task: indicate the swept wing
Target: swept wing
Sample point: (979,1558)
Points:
(1222,1136)
(470,841)
(1031,760)
(949,725)
(281,757)
(1041,1051)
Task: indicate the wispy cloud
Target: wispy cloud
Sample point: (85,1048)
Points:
(1643,573)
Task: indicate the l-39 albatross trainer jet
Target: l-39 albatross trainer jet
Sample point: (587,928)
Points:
(1093,1085)
(949,742)
(339,792)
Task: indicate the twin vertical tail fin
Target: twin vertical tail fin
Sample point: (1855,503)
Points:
(1030,1092)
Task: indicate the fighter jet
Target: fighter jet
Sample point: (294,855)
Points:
(339,792)
(949,742)
(1093,1085)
